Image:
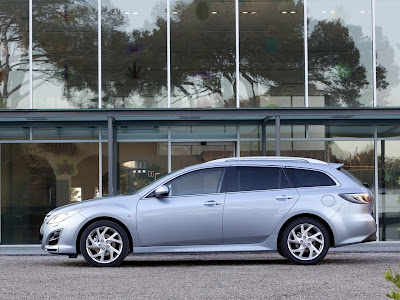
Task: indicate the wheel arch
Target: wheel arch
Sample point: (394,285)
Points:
(103,219)
(312,216)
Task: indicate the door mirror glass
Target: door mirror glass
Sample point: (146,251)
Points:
(161,191)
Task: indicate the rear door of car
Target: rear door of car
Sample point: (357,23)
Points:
(260,198)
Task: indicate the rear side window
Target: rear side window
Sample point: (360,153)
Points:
(259,178)
(309,178)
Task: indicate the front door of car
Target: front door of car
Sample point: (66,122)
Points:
(190,215)
(261,197)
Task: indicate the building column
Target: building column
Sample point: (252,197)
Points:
(278,135)
(111,155)
(263,140)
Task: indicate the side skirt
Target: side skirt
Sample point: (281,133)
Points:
(268,245)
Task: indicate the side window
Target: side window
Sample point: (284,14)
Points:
(309,178)
(205,181)
(259,178)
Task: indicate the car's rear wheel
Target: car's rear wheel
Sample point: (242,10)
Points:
(104,244)
(305,241)
(280,251)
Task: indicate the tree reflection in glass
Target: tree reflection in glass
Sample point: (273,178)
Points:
(271,53)
(14,54)
(203,54)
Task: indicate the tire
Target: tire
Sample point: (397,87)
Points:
(280,251)
(104,244)
(305,241)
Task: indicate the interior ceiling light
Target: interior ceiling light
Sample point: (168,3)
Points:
(175,13)
(362,11)
(293,12)
(253,12)
(332,11)
(214,12)
(245,12)
(135,13)
(324,11)
(284,12)
(126,13)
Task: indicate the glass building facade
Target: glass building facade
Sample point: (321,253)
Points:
(145,64)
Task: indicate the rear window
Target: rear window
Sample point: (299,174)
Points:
(309,178)
(259,178)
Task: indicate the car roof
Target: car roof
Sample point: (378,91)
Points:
(274,160)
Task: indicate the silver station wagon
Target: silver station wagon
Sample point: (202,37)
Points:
(299,207)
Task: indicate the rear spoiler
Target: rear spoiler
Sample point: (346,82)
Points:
(336,165)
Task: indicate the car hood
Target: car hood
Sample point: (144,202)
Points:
(114,200)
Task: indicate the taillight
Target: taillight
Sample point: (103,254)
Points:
(357,198)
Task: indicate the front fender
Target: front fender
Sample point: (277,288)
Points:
(121,214)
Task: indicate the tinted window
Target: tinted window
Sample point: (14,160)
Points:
(198,182)
(259,178)
(309,178)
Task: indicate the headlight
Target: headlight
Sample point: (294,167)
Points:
(357,198)
(62,217)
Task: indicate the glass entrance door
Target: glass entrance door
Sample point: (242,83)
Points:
(187,154)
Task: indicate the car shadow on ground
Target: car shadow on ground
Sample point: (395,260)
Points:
(150,261)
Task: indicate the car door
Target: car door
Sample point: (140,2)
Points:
(261,197)
(190,215)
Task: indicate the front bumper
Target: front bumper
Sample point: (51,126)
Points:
(61,238)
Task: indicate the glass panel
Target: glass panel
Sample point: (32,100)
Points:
(254,149)
(198,182)
(140,164)
(14,54)
(22,133)
(388,52)
(293,131)
(36,178)
(66,133)
(357,156)
(203,132)
(340,53)
(65,67)
(389,131)
(134,54)
(344,131)
(250,131)
(250,149)
(389,190)
(271,53)
(184,155)
(148,132)
(203,53)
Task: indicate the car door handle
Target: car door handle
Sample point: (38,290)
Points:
(283,197)
(212,202)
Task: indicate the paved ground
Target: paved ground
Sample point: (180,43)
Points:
(341,275)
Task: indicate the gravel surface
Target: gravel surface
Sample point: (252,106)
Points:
(198,276)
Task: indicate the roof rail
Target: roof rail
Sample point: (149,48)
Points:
(271,158)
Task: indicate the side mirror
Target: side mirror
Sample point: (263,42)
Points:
(161,191)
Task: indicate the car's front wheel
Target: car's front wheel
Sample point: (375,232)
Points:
(104,244)
(305,241)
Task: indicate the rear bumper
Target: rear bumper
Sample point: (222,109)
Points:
(353,224)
